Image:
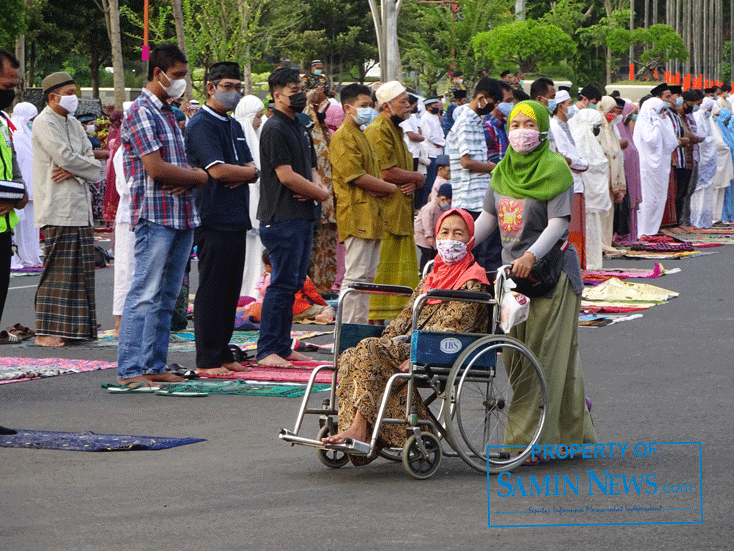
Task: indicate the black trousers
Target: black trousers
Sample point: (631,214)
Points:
(683,178)
(221,257)
(427,254)
(6,255)
(488,253)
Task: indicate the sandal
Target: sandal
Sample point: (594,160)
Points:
(21,331)
(9,338)
(139,387)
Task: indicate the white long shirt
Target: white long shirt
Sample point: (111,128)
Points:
(433,134)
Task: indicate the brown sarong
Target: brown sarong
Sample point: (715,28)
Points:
(65,304)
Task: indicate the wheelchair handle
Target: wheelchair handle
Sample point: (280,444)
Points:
(380,289)
(458,294)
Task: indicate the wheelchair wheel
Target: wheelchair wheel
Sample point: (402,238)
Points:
(391,454)
(330,458)
(502,407)
(422,465)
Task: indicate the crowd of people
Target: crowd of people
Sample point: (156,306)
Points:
(327,193)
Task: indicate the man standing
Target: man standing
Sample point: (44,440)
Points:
(289,188)
(458,98)
(398,259)
(63,166)
(10,171)
(357,185)
(470,165)
(163,215)
(430,126)
(216,143)
(495,131)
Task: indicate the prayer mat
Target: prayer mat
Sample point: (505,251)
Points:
(594,277)
(27,270)
(626,293)
(300,373)
(718,239)
(89,441)
(243,388)
(13,370)
(646,255)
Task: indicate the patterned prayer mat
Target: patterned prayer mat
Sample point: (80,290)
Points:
(595,277)
(242,388)
(89,441)
(300,373)
(13,370)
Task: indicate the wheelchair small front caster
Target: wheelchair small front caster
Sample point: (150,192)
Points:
(421,458)
(330,458)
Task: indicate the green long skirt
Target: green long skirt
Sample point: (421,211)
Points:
(398,266)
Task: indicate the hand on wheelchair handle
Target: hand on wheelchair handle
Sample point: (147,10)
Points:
(405,366)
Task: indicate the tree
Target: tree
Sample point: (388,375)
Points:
(12,22)
(662,42)
(385,17)
(596,35)
(525,43)
(111,11)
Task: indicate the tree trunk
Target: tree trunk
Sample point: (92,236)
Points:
(610,59)
(520,10)
(94,63)
(247,70)
(178,19)
(379,32)
(655,12)
(390,12)
(32,65)
(118,70)
(20,54)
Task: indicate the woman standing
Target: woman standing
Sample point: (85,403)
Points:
(631,166)
(530,197)
(249,114)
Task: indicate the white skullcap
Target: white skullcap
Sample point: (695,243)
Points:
(126,105)
(563,95)
(389,91)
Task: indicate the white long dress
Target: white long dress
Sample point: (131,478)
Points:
(655,140)
(724,167)
(596,182)
(702,200)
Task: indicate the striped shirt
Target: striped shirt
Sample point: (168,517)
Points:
(467,138)
(151,127)
(496,136)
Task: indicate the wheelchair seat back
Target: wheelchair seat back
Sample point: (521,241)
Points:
(441,349)
(352,333)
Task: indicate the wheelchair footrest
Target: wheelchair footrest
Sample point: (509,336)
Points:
(350,446)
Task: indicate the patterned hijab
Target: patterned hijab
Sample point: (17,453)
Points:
(541,174)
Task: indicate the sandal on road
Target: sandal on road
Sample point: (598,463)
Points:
(21,331)
(139,387)
(9,338)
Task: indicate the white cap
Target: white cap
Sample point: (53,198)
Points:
(563,95)
(389,91)
(126,105)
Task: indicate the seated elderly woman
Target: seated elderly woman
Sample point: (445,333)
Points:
(365,369)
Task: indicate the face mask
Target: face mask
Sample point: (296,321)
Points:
(696,108)
(459,81)
(505,108)
(432,111)
(451,251)
(688,109)
(321,117)
(483,111)
(228,99)
(708,114)
(552,104)
(317,71)
(445,206)
(297,102)
(571,112)
(634,117)
(70,103)
(524,140)
(678,101)
(596,130)
(175,88)
(609,117)
(90,129)
(364,115)
(6,98)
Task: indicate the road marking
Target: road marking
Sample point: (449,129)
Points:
(24,287)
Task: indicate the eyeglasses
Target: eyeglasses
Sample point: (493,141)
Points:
(228,87)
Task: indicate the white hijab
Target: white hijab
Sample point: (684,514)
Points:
(22,142)
(724,162)
(244,113)
(596,178)
(655,140)
(707,148)
(609,142)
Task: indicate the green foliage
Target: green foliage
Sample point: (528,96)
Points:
(12,22)
(662,44)
(160,23)
(525,43)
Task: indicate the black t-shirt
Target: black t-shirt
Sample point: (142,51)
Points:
(284,141)
(211,139)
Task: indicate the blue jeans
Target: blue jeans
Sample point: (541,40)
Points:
(289,245)
(431,172)
(161,254)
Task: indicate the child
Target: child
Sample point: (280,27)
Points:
(308,304)
(425,223)
(443,175)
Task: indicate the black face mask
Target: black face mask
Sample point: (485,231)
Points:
(297,102)
(6,98)
(486,110)
(320,116)
(688,109)
(396,120)
(596,130)
(433,111)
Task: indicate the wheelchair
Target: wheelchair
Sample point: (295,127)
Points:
(469,382)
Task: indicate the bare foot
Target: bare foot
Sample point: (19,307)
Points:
(213,371)
(145,382)
(46,340)
(325,318)
(356,432)
(273,360)
(116,330)
(164,378)
(237,367)
(298,357)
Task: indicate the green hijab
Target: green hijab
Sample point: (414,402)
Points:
(541,174)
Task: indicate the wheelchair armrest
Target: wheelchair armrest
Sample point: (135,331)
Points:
(381,289)
(458,295)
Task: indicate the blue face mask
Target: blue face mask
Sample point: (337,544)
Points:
(634,117)
(552,104)
(317,71)
(678,101)
(505,108)
(364,115)
(572,111)
(696,108)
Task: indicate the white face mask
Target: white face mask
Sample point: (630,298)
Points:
(90,128)
(175,88)
(70,103)
(450,250)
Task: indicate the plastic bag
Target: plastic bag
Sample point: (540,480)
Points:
(514,308)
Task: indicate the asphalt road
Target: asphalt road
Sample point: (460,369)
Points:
(664,378)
